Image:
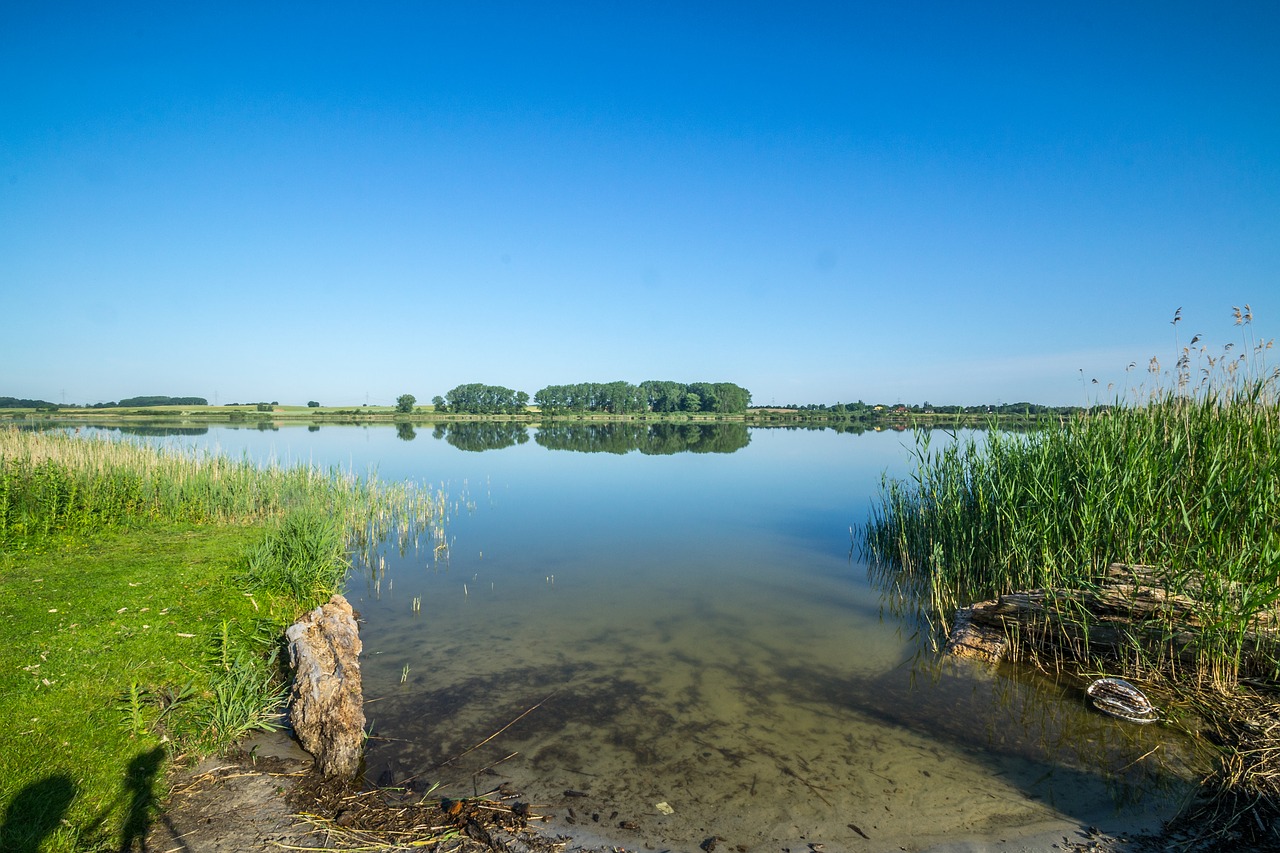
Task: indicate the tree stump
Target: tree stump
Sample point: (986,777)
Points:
(326,702)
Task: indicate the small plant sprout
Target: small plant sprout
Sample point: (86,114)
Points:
(404,674)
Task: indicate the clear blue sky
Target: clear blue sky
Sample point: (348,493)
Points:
(952,202)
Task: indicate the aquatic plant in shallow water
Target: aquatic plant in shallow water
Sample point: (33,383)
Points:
(1185,481)
(54,482)
(305,554)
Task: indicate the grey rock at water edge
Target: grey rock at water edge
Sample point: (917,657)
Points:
(326,703)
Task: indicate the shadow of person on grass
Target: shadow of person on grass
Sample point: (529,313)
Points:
(36,812)
(140,782)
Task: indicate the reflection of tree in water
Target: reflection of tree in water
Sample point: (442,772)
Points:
(650,439)
(149,431)
(406,432)
(482,435)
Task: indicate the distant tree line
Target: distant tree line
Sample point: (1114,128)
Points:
(865,411)
(476,398)
(16,403)
(616,398)
(620,398)
(153,401)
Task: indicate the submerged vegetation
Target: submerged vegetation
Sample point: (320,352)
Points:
(1181,485)
(145,592)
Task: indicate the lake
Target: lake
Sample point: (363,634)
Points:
(661,636)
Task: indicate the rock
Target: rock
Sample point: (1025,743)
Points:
(326,702)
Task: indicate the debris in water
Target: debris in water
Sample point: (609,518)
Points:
(1119,698)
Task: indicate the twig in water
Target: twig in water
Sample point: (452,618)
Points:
(486,740)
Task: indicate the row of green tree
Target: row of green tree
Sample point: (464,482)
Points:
(476,398)
(621,398)
(19,403)
(615,398)
(861,410)
(153,401)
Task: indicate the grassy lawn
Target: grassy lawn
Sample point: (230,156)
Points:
(143,597)
(97,634)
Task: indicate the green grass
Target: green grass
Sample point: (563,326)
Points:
(1186,481)
(143,595)
(93,631)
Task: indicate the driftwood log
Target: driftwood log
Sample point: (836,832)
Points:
(326,702)
(1130,608)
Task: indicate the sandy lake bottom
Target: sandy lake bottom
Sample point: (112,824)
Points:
(715,716)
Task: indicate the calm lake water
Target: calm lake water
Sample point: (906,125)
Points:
(669,638)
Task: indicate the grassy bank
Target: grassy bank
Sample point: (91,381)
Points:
(142,597)
(1186,485)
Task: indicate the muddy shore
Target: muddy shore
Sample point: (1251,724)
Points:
(265,798)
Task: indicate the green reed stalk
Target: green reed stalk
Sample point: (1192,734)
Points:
(53,482)
(1188,484)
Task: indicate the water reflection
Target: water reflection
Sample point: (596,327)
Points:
(617,438)
(649,439)
(479,436)
(690,629)
(140,431)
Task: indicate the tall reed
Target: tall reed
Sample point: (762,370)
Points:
(58,482)
(1186,481)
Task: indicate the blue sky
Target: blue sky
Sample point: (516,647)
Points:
(952,202)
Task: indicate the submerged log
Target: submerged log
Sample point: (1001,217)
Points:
(1130,608)
(326,702)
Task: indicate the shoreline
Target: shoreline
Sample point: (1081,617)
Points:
(263,797)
